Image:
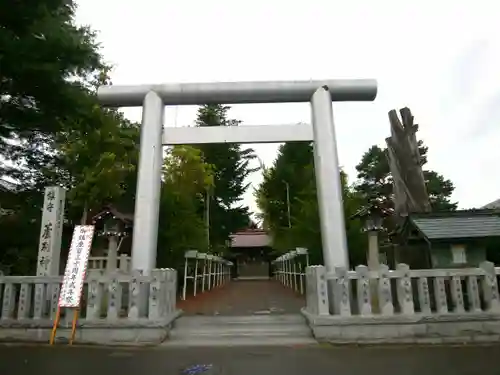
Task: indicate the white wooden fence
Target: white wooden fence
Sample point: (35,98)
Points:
(289,269)
(204,271)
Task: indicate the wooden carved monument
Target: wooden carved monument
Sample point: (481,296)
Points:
(410,193)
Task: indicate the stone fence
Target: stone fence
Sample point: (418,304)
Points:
(404,305)
(115,307)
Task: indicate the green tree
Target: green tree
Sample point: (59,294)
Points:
(182,227)
(231,167)
(48,65)
(294,165)
(375,180)
(20,214)
(290,172)
(95,165)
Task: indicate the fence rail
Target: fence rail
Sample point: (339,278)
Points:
(290,268)
(204,271)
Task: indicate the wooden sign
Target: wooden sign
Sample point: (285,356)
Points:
(74,276)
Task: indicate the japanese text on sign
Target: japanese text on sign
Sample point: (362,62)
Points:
(76,266)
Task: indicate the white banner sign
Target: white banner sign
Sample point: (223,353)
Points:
(76,266)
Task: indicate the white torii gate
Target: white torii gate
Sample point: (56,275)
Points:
(153,99)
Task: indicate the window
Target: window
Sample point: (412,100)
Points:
(458,253)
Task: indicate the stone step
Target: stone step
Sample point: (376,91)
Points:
(240,341)
(224,321)
(240,330)
(270,331)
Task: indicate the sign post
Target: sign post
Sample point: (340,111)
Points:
(74,277)
(49,249)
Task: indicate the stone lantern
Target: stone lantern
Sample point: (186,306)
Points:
(372,217)
(114,226)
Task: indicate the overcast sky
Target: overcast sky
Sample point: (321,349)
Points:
(440,58)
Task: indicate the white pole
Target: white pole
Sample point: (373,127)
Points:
(204,275)
(147,198)
(328,184)
(185,279)
(195,280)
(294,275)
(210,274)
(301,278)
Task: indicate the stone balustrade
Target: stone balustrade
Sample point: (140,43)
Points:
(430,305)
(204,271)
(101,263)
(115,307)
(289,269)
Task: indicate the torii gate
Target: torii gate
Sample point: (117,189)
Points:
(153,99)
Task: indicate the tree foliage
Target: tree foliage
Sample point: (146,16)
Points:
(231,167)
(293,170)
(375,180)
(182,227)
(53,132)
(48,66)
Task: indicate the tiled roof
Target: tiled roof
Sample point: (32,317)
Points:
(494,204)
(250,238)
(458,226)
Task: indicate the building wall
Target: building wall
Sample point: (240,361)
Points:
(442,255)
(416,255)
(251,262)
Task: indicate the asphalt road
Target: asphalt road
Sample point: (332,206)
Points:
(407,360)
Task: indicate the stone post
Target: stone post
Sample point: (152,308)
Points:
(316,293)
(386,306)
(124,263)
(114,296)
(373,251)
(424,297)
(112,254)
(24,307)
(440,295)
(404,290)
(340,292)
(490,287)
(156,300)
(49,249)
(373,260)
(363,287)
(95,295)
(9,301)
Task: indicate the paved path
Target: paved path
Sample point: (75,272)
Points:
(315,360)
(245,298)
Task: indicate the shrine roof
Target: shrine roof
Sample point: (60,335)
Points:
(112,211)
(250,238)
